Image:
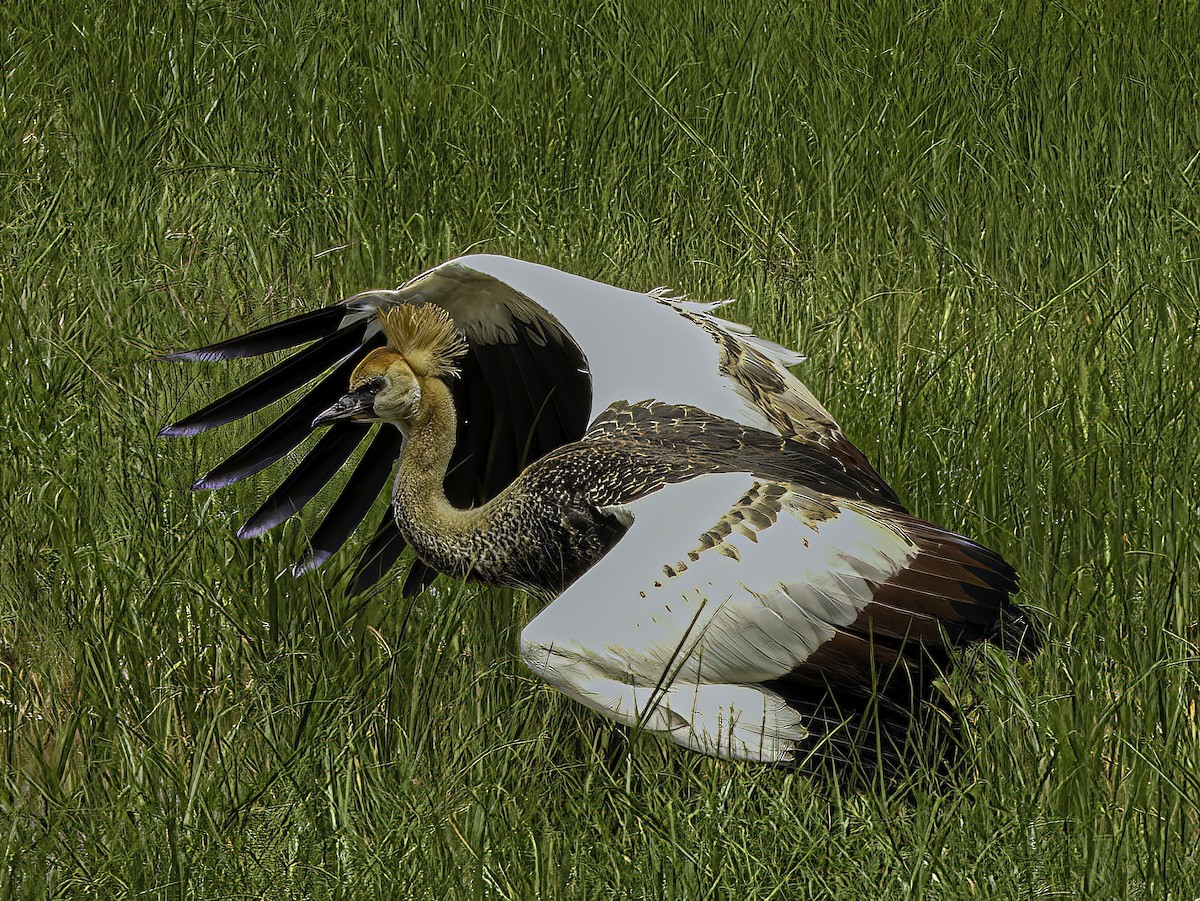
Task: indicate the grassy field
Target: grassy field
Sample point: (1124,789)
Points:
(982,225)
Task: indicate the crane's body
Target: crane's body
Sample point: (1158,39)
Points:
(722,565)
(528,384)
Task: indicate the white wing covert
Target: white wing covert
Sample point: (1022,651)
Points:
(733,602)
(722,583)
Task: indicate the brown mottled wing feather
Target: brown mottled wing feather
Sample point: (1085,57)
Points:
(636,448)
(786,402)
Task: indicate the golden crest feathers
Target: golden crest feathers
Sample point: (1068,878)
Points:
(425,336)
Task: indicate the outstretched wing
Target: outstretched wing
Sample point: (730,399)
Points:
(736,610)
(548,352)
(637,346)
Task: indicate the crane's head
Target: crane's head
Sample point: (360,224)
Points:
(422,344)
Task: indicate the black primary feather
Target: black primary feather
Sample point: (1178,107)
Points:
(310,476)
(278,381)
(282,435)
(383,551)
(370,477)
(278,336)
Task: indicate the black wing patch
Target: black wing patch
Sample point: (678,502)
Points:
(516,402)
(370,477)
(310,475)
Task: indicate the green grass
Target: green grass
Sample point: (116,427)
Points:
(983,226)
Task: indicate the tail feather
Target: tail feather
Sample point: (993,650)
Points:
(848,730)
(278,336)
(278,381)
(348,511)
(310,476)
(1018,632)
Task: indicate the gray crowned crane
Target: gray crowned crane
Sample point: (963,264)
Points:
(722,565)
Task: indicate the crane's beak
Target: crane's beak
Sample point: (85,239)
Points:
(357,406)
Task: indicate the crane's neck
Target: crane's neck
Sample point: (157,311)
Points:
(533,534)
(442,534)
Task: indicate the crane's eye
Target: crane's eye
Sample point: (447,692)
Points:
(373,385)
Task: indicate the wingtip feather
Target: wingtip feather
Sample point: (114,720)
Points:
(315,559)
(179,430)
(200,355)
(299,329)
(251,529)
(208,483)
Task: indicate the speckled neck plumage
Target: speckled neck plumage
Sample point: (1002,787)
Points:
(538,534)
(441,533)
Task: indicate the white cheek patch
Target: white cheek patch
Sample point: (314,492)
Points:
(398,405)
